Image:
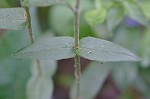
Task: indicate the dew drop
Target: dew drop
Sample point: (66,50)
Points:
(90,52)
(102,46)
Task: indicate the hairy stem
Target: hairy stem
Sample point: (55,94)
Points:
(29,25)
(76,46)
(32,35)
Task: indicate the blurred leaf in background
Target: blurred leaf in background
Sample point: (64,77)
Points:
(61,20)
(145,48)
(9,42)
(40,84)
(97,74)
(9,3)
(13,78)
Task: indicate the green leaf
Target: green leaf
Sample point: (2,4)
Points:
(145,6)
(95,16)
(97,74)
(145,72)
(11,41)
(39,88)
(13,77)
(145,48)
(54,48)
(64,16)
(135,13)
(47,68)
(40,3)
(102,50)
(40,85)
(9,3)
(3,4)
(98,4)
(102,31)
(106,3)
(124,74)
(124,36)
(13,18)
(114,17)
(141,85)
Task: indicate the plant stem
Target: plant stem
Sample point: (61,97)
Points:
(29,25)
(32,35)
(76,46)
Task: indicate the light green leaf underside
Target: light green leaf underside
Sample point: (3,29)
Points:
(39,88)
(54,48)
(97,74)
(47,68)
(13,18)
(124,74)
(40,85)
(102,50)
(40,3)
(13,77)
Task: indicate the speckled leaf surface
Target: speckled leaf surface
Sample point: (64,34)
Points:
(13,18)
(40,3)
(102,50)
(54,48)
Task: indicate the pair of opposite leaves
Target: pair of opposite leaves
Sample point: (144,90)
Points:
(62,47)
(55,48)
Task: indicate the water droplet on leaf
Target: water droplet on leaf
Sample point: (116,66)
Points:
(90,52)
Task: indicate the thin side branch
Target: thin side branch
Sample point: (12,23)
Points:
(29,25)
(32,35)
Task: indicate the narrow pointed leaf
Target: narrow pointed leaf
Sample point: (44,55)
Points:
(97,74)
(102,50)
(13,18)
(54,48)
(40,85)
(40,3)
